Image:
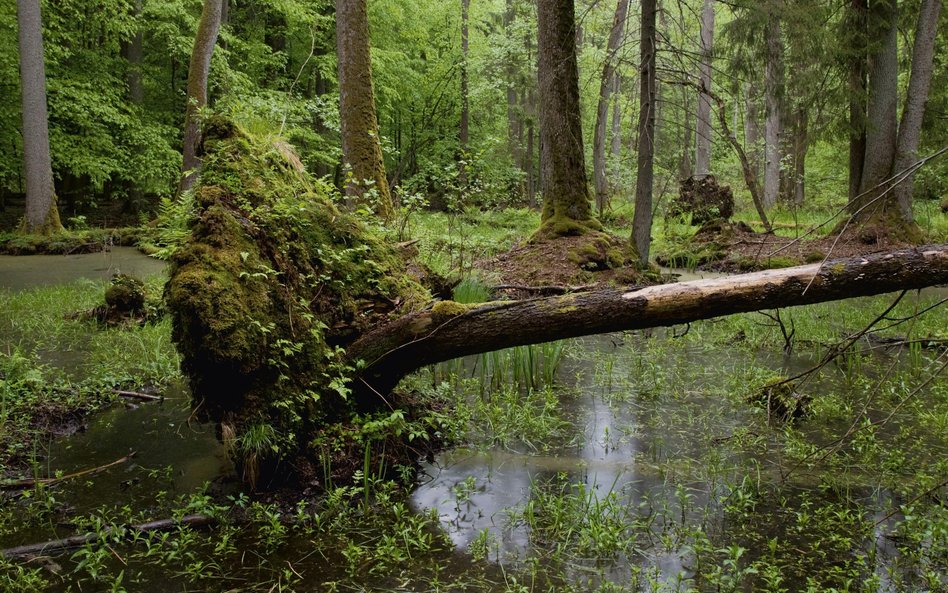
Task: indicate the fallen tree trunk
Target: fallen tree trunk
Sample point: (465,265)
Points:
(294,320)
(394,350)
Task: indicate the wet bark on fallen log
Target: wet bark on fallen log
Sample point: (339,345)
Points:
(420,339)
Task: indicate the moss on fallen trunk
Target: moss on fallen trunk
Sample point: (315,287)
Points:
(271,286)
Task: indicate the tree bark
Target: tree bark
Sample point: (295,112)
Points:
(198,71)
(563,179)
(685,168)
(606,84)
(642,218)
(882,115)
(752,127)
(856,26)
(411,342)
(464,131)
(910,128)
(42,216)
(773,90)
(361,148)
(615,150)
(703,124)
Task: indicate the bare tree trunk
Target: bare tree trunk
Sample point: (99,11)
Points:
(703,124)
(752,127)
(198,71)
(773,90)
(615,150)
(361,148)
(642,218)
(685,169)
(411,342)
(134,52)
(514,121)
(910,128)
(856,24)
(563,172)
(42,216)
(606,84)
(882,118)
(464,132)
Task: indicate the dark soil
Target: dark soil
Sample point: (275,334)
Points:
(593,259)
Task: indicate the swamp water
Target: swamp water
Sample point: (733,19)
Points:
(641,468)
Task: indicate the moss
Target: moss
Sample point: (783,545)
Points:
(125,294)
(450,308)
(273,282)
(814,256)
(563,226)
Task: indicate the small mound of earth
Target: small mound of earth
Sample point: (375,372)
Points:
(593,258)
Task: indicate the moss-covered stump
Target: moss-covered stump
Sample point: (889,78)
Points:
(704,198)
(271,286)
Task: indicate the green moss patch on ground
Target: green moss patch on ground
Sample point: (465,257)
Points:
(82,241)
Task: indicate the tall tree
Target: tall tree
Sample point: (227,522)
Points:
(606,84)
(703,124)
(910,127)
(361,148)
(563,181)
(198,72)
(642,218)
(464,133)
(42,216)
(773,90)
(854,29)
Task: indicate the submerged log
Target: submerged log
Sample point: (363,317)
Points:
(58,546)
(447,332)
(294,318)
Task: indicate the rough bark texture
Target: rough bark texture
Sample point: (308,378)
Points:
(563,182)
(606,84)
(685,168)
(425,338)
(361,148)
(773,90)
(910,128)
(882,116)
(204,42)
(703,124)
(42,215)
(642,218)
(752,127)
(856,20)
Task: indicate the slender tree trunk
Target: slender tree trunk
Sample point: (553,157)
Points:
(606,84)
(464,132)
(773,90)
(752,127)
(563,181)
(856,25)
(685,169)
(910,128)
(514,122)
(366,184)
(801,141)
(615,149)
(198,71)
(42,216)
(642,218)
(703,125)
(134,52)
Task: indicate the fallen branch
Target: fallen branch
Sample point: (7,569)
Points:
(137,395)
(30,482)
(61,545)
(547,290)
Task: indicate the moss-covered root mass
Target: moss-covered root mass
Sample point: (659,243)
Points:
(273,283)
